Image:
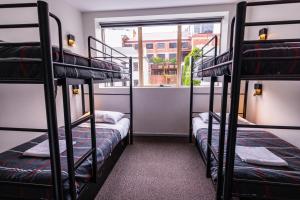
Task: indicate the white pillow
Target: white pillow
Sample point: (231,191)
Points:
(108,116)
(204,116)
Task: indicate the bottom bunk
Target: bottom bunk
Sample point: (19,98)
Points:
(17,170)
(255,181)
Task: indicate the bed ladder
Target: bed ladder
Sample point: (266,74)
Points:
(221,119)
(73,166)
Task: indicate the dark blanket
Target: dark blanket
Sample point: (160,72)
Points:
(18,168)
(23,70)
(243,170)
(258,67)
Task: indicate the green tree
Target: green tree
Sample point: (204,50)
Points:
(186,72)
(157,60)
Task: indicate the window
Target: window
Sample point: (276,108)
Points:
(204,28)
(173,45)
(159,61)
(135,66)
(172,56)
(160,45)
(199,35)
(150,56)
(162,56)
(149,46)
(184,45)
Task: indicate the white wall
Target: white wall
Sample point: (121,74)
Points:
(158,110)
(279,104)
(90,18)
(23,105)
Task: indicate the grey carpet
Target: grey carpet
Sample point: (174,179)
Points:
(158,169)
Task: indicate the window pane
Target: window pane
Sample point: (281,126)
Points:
(149,46)
(194,37)
(172,56)
(125,41)
(160,45)
(162,67)
(173,45)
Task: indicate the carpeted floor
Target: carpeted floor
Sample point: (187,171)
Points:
(158,169)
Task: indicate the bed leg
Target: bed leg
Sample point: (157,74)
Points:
(226,79)
(211,109)
(44,29)
(191,100)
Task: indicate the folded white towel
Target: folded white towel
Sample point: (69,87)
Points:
(260,156)
(42,149)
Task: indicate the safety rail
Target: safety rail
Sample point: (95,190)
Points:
(48,81)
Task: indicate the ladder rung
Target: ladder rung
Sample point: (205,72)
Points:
(2,26)
(214,153)
(17,44)
(19,5)
(22,129)
(80,121)
(20,61)
(215,116)
(83,158)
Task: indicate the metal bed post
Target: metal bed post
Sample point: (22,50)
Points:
(82,99)
(131,101)
(93,129)
(43,17)
(69,138)
(211,109)
(245,99)
(235,95)
(191,99)
(226,80)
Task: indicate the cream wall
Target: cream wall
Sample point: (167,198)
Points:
(279,104)
(225,10)
(158,111)
(23,105)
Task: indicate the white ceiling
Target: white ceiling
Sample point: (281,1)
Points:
(105,5)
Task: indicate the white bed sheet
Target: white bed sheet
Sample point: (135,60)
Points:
(122,126)
(198,123)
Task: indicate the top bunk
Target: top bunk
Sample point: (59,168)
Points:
(276,59)
(23,62)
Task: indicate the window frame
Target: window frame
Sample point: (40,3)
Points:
(170,45)
(141,24)
(149,44)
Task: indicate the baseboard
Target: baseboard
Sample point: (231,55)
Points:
(149,134)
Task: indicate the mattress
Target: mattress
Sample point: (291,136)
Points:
(17,168)
(21,70)
(256,67)
(252,172)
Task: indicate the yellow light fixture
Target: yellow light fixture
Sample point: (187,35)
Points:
(75,89)
(257,89)
(263,34)
(71,40)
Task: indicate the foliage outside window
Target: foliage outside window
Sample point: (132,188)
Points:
(186,73)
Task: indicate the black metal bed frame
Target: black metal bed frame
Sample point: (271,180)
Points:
(226,178)
(49,82)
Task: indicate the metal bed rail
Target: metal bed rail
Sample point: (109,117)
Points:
(238,58)
(49,91)
(48,82)
(125,60)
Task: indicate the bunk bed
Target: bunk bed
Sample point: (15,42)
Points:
(277,60)
(91,151)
